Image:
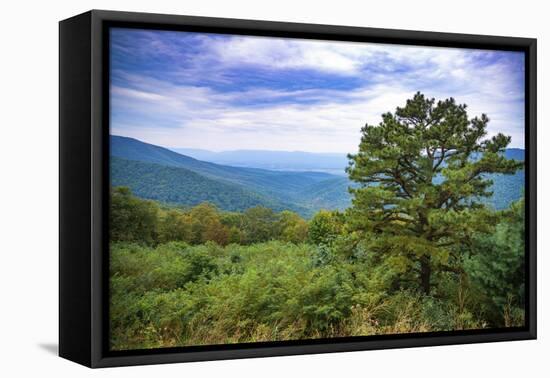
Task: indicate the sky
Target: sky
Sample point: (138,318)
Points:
(227,92)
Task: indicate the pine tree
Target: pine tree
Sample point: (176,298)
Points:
(422,175)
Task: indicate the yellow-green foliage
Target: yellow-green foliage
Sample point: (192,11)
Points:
(167,292)
(176,294)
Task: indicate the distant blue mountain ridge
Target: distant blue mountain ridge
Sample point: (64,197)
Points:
(334,163)
(303,182)
(331,162)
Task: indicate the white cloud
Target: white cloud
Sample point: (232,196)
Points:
(289,54)
(164,113)
(211,122)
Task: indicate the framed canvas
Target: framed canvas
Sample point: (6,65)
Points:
(235,188)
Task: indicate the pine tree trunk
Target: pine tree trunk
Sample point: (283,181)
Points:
(425,274)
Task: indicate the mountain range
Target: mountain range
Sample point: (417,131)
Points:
(334,163)
(299,181)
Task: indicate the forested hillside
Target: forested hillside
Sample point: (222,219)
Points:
(194,181)
(281,188)
(180,186)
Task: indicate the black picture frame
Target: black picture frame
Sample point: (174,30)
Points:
(84,192)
